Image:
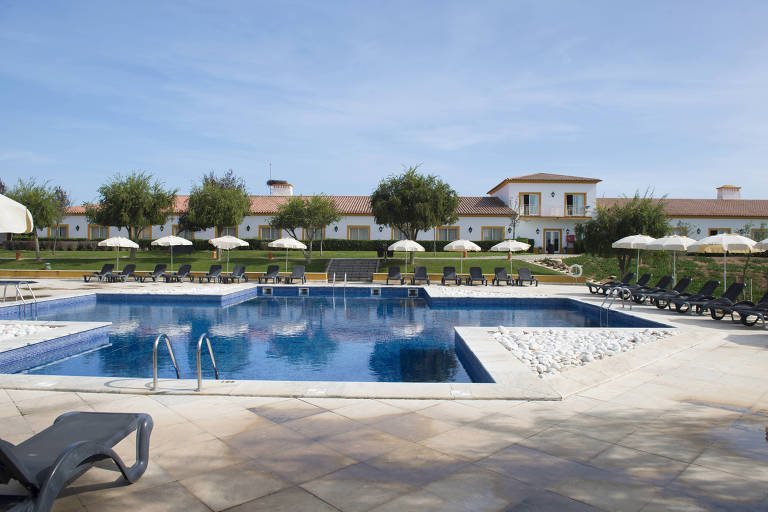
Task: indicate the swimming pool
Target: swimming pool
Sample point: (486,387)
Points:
(360,339)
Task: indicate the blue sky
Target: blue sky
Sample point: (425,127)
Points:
(667,95)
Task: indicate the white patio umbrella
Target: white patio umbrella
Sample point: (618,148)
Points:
(117,242)
(287,243)
(510,246)
(14,217)
(762,245)
(674,243)
(461,246)
(407,246)
(171,241)
(634,242)
(227,243)
(724,243)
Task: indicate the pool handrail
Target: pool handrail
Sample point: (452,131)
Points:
(154,358)
(205,337)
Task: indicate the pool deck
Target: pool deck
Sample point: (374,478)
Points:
(682,430)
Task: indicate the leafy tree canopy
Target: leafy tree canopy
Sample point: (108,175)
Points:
(310,214)
(637,215)
(217,202)
(3,188)
(132,202)
(41,201)
(413,202)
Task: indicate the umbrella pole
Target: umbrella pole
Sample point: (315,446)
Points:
(228,261)
(117,258)
(674,267)
(286,259)
(637,266)
(171,258)
(725,266)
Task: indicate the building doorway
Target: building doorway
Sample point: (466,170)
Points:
(552,240)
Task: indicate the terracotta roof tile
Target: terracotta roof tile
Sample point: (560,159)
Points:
(739,208)
(544,177)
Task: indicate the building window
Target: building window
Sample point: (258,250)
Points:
(680,231)
(493,233)
(269,233)
(760,233)
(448,233)
(226,231)
(319,234)
(59,231)
(146,233)
(358,232)
(719,231)
(530,204)
(398,235)
(574,204)
(189,235)
(96,232)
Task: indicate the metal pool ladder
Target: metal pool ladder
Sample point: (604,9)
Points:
(205,337)
(170,352)
(617,292)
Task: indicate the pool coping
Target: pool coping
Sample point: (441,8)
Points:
(513,379)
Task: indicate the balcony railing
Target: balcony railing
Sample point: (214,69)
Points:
(530,211)
(575,211)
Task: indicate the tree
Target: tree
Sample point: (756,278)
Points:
(311,214)
(514,218)
(631,216)
(63,202)
(3,188)
(216,202)
(683,228)
(41,201)
(413,202)
(132,202)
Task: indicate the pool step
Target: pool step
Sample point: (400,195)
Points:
(356,269)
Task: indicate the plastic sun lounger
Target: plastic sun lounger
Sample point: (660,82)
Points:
(639,295)
(155,274)
(705,293)
(499,275)
(105,273)
(524,275)
(394,274)
(757,312)
(128,271)
(641,283)
(50,460)
(449,274)
(420,274)
(475,274)
(604,287)
(273,272)
(213,273)
(184,272)
(237,273)
(661,299)
(729,298)
(740,308)
(297,273)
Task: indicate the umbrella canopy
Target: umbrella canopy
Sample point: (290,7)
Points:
(461,246)
(117,242)
(171,241)
(762,245)
(672,243)
(634,242)
(227,243)
(724,243)
(510,246)
(287,243)
(407,246)
(14,217)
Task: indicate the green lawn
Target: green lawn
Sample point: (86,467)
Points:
(699,268)
(255,261)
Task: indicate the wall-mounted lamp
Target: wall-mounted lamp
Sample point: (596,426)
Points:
(335,228)
(552,194)
(381,228)
(77,228)
(567,231)
(538,231)
(469,229)
(698,231)
(247,228)
(161,228)
(509,230)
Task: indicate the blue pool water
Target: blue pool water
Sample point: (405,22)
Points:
(313,338)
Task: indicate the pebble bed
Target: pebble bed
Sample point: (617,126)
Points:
(549,351)
(10,331)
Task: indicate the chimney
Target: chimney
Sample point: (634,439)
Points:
(729,192)
(280,188)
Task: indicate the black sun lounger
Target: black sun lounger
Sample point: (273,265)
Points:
(524,276)
(705,293)
(476,274)
(740,308)
(273,273)
(604,287)
(155,274)
(128,271)
(661,299)
(499,275)
(50,460)
(297,273)
(640,294)
(214,273)
(750,316)
(106,272)
(420,274)
(394,274)
(184,272)
(729,298)
(641,283)
(449,274)
(237,273)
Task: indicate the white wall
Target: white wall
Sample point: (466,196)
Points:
(700,226)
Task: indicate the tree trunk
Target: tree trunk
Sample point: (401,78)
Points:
(744,272)
(131,235)
(55,239)
(37,247)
